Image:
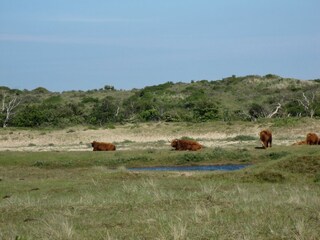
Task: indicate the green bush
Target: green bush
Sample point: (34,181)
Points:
(256,111)
(44,114)
(150,115)
(243,138)
(89,100)
(53,100)
(191,158)
(234,98)
(277,155)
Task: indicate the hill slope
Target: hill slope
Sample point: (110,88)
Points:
(234,98)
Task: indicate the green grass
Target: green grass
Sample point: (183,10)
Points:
(91,195)
(243,138)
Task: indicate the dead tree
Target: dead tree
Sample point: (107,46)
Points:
(257,111)
(270,115)
(308,103)
(8,107)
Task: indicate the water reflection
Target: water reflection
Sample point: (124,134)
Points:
(192,168)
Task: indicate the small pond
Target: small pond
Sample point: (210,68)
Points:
(193,168)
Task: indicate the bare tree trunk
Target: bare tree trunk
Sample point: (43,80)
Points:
(3,101)
(8,109)
(117,112)
(307,104)
(275,111)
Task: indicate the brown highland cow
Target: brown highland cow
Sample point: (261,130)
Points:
(312,139)
(102,146)
(184,145)
(266,138)
(304,142)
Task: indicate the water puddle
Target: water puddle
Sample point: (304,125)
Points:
(192,168)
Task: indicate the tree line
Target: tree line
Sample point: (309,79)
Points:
(235,98)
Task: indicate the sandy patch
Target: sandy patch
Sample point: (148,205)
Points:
(142,137)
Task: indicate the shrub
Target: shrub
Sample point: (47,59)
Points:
(150,115)
(243,138)
(39,164)
(191,158)
(89,100)
(204,111)
(267,176)
(53,100)
(277,155)
(187,138)
(256,111)
(40,90)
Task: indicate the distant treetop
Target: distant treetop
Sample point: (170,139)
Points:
(4,88)
(40,90)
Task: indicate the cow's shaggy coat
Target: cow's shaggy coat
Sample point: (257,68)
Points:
(102,146)
(266,138)
(183,145)
(312,139)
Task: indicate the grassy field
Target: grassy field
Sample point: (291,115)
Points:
(50,192)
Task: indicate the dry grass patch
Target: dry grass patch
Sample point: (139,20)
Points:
(137,136)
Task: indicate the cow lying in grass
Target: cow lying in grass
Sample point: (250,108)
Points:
(311,139)
(266,138)
(304,142)
(102,146)
(184,145)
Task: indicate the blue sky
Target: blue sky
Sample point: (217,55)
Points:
(87,44)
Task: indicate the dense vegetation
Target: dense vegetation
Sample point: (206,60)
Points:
(235,98)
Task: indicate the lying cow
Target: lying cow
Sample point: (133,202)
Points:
(312,139)
(184,145)
(266,138)
(102,146)
(304,142)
